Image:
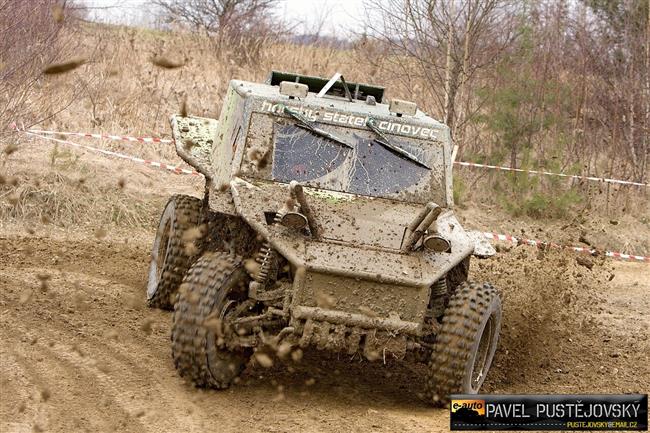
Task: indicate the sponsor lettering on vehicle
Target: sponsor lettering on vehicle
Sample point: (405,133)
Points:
(322,115)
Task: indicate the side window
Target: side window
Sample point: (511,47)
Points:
(258,139)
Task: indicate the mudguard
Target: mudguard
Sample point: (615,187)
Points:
(482,247)
(193,138)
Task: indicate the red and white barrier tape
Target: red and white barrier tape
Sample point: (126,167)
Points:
(106,136)
(461,163)
(542,244)
(550,173)
(147,162)
(488,235)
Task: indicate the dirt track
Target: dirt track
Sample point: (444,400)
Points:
(81,352)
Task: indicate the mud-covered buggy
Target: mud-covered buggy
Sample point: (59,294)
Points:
(327,221)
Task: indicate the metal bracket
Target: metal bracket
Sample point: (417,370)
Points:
(331,82)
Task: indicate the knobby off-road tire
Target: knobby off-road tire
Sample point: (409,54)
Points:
(465,345)
(215,284)
(169,258)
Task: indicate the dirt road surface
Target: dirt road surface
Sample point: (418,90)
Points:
(80,350)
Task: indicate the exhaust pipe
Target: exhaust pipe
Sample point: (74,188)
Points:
(421,224)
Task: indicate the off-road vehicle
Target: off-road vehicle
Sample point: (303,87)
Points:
(327,221)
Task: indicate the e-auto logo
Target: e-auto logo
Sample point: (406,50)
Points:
(468,408)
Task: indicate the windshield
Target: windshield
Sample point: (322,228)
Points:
(354,161)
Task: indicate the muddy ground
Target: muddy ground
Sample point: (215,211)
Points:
(81,352)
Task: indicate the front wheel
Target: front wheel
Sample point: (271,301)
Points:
(212,292)
(172,255)
(465,346)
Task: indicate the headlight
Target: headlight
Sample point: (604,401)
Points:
(436,243)
(294,220)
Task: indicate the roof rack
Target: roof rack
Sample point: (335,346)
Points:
(316,84)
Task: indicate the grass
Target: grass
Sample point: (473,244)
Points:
(124,93)
(57,196)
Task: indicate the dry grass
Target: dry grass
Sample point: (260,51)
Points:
(128,93)
(59,199)
(43,184)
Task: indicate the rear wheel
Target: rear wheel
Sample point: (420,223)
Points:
(211,294)
(466,344)
(170,256)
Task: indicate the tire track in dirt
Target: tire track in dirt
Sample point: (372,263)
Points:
(109,375)
(101,373)
(18,388)
(94,304)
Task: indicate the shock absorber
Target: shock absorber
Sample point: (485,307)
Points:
(438,297)
(264,258)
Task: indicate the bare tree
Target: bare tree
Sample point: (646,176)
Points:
(218,17)
(239,27)
(442,44)
(616,44)
(30,40)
